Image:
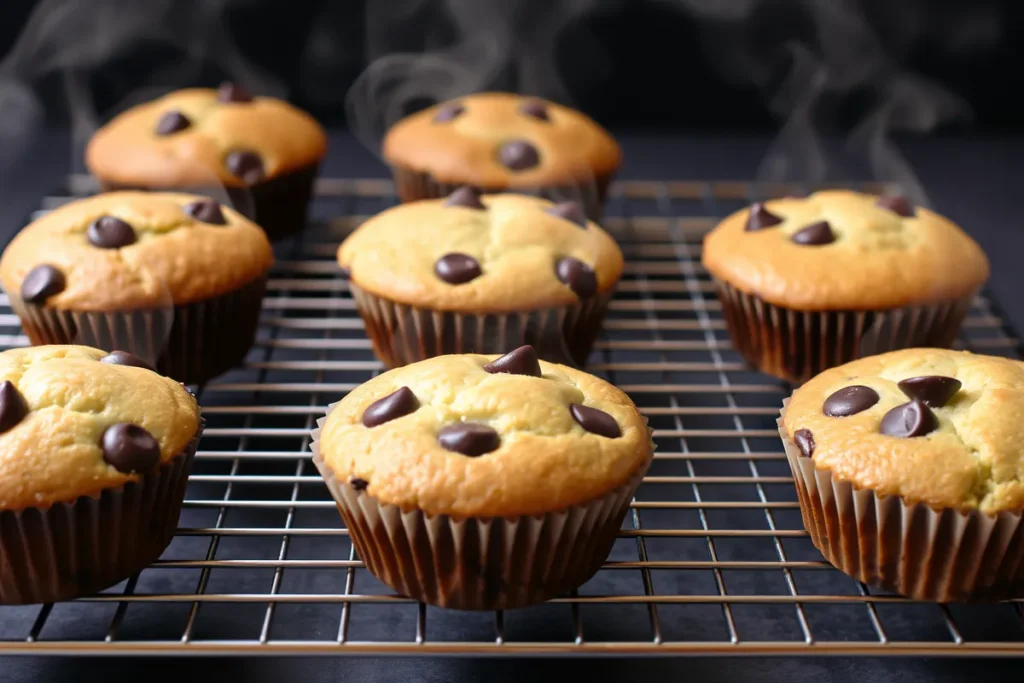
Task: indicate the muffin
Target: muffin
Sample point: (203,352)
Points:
(173,278)
(481,275)
(500,142)
(810,283)
(909,470)
(483,482)
(95,451)
(259,153)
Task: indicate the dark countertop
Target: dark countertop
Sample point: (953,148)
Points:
(973,182)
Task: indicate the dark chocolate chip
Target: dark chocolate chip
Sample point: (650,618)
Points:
(909,419)
(595,421)
(397,404)
(815,234)
(535,108)
(41,283)
(578,276)
(345,273)
(761,218)
(13,407)
(804,441)
(456,268)
(358,484)
(850,401)
(468,438)
(449,112)
(108,232)
(466,197)
(934,391)
(172,122)
(518,155)
(207,211)
(125,358)
(897,203)
(246,165)
(232,92)
(570,211)
(130,448)
(521,361)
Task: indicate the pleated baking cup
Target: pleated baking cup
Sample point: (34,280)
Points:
(190,342)
(479,563)
(413,185)
(797,345)
(78,548)
(938,555)
(403,334)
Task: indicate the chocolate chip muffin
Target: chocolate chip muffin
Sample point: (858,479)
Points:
(909,471)
(809,283)
(176,279)
(95,451)
(259,154)
(500,142)
(483,482)
(471,274)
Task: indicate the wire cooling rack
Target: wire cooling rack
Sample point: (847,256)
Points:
(711,559)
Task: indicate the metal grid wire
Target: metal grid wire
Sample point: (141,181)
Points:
(712,558)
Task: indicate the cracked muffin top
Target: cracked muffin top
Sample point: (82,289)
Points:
(76,420)
(933,426)
(470,435)
(127,250)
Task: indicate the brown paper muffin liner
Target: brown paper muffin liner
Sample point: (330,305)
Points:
(480,563)
(403,334)
(80,547)
(190,343)
(278,205)
(939,555)
(413,185)
(797,345)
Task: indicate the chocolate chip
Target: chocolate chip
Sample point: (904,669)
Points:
(232,92)
(815,234)
(108,232)
(466,197)
(207,211)
(397,404)
(804,441)
(934,391)
(535,108)
(518,155)
(909,419)
(468,438)
(41,283)
(345,273)
(595,421)
(521,361)
(570,211)
(358,484)
(456,268)
(246,165)
(578,276)
(898,204)
(850,401)
(172,122)
(130,448)
(449,112)
(13,407)
(125,358)
(761,218)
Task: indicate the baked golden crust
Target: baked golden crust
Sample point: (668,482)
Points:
(573,148)
(545,461)
(516,243)
(973,460)
(53,454)
(175,260)
(879,260)
(127,150)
